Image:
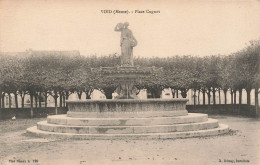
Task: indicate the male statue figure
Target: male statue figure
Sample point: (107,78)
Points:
(127,43)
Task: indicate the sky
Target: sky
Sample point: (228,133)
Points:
(186,27)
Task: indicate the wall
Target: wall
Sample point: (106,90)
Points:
(244,110)
(22,113)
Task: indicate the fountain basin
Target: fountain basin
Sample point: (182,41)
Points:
(126,108)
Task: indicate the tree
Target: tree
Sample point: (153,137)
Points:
(254,50)
(153,82)
(225,75)
(12,72)
(212,76)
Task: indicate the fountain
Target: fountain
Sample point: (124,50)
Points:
(128,117)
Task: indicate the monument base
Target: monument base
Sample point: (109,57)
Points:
(128,119)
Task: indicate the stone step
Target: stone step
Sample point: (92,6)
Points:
(127,114)
(64,120)
(211,123)
(222,129)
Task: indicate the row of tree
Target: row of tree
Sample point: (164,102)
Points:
(59,73)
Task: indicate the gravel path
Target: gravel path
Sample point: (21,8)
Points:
(240,146)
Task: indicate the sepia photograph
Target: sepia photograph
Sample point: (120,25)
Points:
(170,82)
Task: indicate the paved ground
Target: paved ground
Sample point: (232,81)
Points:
(241,144)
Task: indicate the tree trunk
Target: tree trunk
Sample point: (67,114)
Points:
(22,95)
(36,100)
(79,94)
(204,96)
(240,96)
(177,93)
(153,95)
(194,96)
(219,98)
(3,100)
(256,102)
(225,95)
(184,93)
(67,97)
(156,93)
(235,97)
(88,93)
(9,98)
(208,97)
(22,101)
(0,99)
(61,99)
(136,93)
(108,92)
(232,93)
(64,101)
(40,99)
(56,105)
(31,98)
(56,102)
(198,97)
(173,93)
(248,96)
(214,95)
(45,100)
(87,96)
(16,100)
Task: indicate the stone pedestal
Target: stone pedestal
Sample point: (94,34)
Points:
(127,77)
(126,90)
(128,119)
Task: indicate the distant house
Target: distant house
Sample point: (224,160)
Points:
(167,94)
(52,52)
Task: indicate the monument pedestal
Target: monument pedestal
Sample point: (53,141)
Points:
(126,90)
(127,76)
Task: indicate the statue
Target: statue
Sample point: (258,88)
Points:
(127,43)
